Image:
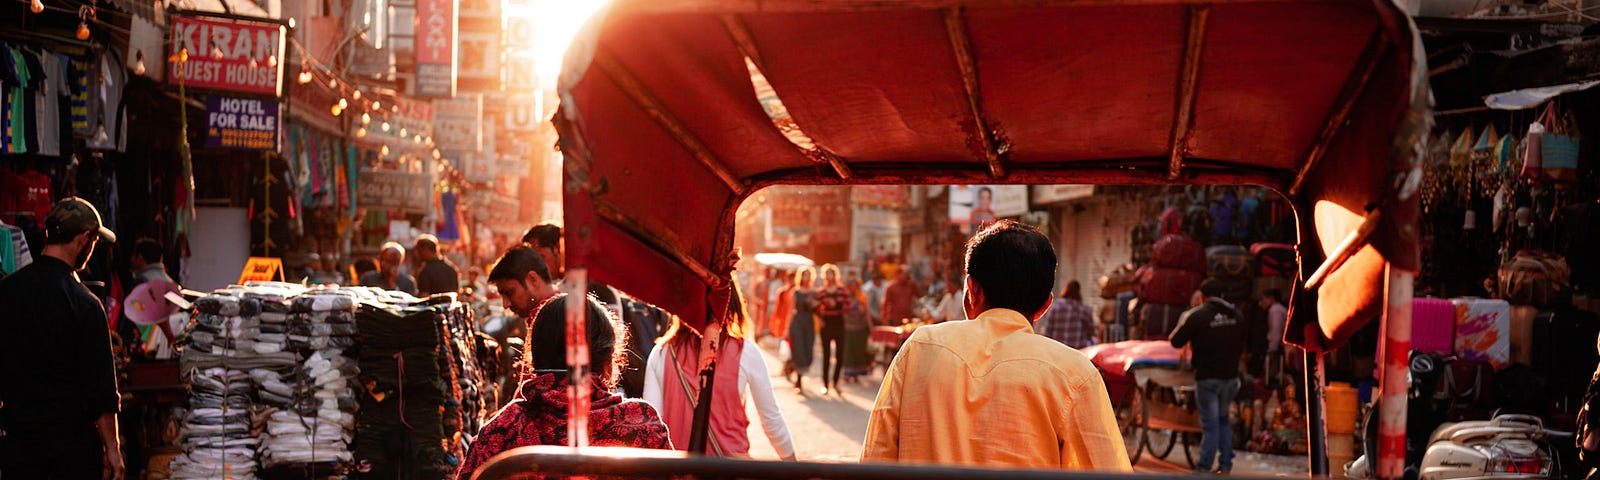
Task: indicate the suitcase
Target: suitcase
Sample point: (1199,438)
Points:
(1483,331)
(1276,259)
(1229,261)
(1158,320)
(1179,252)
(1536,279)
(1168,286)
(1433,325)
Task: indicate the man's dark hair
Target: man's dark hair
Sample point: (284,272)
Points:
(1074,291)
(546,235)
(516,263)
(547,339)
(1014,264)
(148,249)
(1211,288)
(1274,294)
(364,265)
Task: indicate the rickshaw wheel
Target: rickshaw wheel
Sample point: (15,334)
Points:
(1159,443)
(1191,443)
(1133,429)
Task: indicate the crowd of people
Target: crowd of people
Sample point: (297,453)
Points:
(64,423)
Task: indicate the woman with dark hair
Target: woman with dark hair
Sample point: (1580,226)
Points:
(672,384)
(537,415)
(802,326)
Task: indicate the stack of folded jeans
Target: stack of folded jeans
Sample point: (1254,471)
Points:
(410,423)
(317,421)
(218,434)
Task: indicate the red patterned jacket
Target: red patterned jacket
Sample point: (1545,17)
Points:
(538,417)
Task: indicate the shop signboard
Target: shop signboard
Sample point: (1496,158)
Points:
(885,196)
(436,48)
(458,123)
(387,190)
(1047,194)
(974,206)
(242,123)
(261,269)
(523,113)
(227,55)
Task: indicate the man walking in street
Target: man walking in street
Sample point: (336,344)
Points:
(437,274)
(388,275)
(58,386)
(523,280)
(1044,405)
(1218,337)
(1069,321)
(899,300)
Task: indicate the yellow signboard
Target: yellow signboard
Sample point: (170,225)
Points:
(262,269)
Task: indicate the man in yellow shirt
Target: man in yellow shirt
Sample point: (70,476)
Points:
(989,391)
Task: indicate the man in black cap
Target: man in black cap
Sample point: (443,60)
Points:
(58,387)
(1218,336)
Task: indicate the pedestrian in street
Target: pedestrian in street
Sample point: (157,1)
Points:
(872,294)
(1069,321)
(899,300)
(857,330)
(437,275)
(832,301)
(58,386)
(146,262)
(388,275)
(1271,301)
(949,308)
(522,279)
(802,325)
(1044,405)
(323,270)
(362,267)
(672,385)
(537,415)
(546,239)
(1218,337)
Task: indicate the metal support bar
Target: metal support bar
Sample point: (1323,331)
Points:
(645,100)
(1316,413)
(656,238)
(1395,353)
(1188,86)
(747,45)
(1342,105)
(576,285)
(956,26)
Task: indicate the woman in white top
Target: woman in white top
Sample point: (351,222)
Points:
(672,385)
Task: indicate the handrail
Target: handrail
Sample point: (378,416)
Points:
(640,463)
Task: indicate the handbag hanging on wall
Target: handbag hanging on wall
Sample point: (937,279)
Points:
(1560,145)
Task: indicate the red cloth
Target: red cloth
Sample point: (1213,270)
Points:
(538,417)
(1115,358)
(728,424)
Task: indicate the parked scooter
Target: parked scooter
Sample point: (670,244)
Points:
(1426,407)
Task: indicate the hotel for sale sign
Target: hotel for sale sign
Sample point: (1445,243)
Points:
(227,55)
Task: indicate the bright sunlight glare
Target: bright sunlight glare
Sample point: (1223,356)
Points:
(557,21)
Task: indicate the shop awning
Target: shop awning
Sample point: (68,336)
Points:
(664,137)
(1532,97)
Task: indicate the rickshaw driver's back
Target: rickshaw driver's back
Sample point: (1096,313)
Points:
(989,391)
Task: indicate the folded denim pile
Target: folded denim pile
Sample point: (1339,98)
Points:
(315,420)
(413,421)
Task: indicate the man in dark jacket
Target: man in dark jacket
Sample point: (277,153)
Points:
(437,274)
(1218,336)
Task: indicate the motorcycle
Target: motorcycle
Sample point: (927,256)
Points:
(1505,447)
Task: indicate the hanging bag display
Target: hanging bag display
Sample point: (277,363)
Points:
(1560,145)
(1533,152)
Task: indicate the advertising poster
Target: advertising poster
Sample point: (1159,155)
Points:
(974,206)
(227,55)
(241,123)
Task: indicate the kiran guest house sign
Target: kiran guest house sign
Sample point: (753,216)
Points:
(227,55)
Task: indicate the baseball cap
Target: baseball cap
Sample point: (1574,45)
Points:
(75,215)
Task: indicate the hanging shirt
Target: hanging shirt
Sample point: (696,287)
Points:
(47,107)
(21,254)
(16,103)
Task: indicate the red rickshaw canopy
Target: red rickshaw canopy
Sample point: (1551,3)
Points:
(664,135)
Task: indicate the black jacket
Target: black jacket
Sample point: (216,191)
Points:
(1218,335)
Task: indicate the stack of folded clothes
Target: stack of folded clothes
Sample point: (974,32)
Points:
(410,423)
(219,434)
(315,421)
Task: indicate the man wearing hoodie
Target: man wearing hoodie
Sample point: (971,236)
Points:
(1218,337)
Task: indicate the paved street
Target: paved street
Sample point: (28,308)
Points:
(831,429)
